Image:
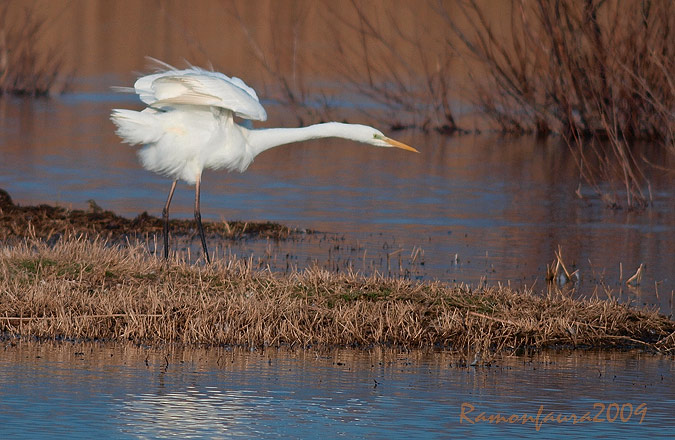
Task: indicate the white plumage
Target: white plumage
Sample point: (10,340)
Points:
(189,125)
(196,86)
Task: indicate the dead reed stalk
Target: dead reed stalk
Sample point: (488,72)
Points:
(380,69)
(558,273)
(396,66)
(24,68)
(89,289)
(285,62)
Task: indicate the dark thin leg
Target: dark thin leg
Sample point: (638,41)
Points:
(198,217)
(165,216)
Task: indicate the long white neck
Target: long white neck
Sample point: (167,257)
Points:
(265,138)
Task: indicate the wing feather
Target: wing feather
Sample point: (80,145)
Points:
(196,86)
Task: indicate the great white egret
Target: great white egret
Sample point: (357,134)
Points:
(189,125)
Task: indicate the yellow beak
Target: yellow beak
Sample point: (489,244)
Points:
(400,145)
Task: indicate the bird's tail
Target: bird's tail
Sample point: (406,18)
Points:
(136,127)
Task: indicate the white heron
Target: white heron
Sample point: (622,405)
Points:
(189,125)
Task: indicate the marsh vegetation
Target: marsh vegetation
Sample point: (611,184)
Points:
(86,289)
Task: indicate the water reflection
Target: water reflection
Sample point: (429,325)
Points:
(89,390)
(192,413)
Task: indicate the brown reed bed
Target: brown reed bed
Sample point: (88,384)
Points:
(590,68)
(46,221)
(597,72)
(27,65)
(91,290)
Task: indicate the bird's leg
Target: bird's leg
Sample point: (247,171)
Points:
(198,218)
(165,216)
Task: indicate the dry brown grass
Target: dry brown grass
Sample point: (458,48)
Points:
(86,289)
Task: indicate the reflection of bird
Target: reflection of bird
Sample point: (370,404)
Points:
(189,125)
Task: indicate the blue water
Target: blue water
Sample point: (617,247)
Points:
(110,391)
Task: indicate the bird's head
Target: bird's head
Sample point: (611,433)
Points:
(372,136)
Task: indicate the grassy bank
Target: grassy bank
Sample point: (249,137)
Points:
(86,289)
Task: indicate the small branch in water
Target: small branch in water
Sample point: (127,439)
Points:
(112,315)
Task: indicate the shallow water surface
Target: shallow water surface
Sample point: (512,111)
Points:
(89,390)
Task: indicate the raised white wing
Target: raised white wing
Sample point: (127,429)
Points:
(196,86)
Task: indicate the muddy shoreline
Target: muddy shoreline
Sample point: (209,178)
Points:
(47,222)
